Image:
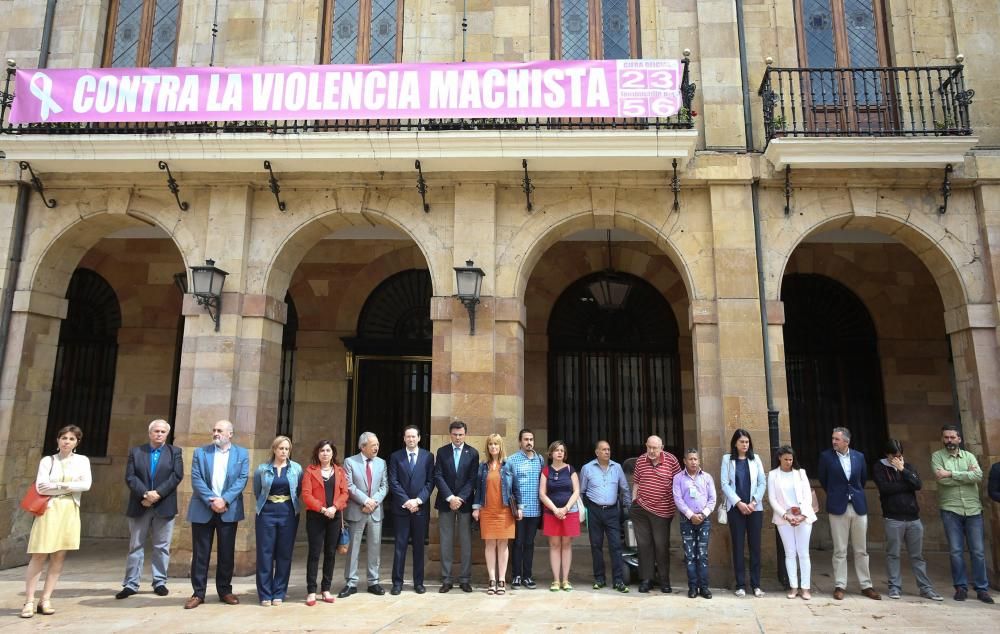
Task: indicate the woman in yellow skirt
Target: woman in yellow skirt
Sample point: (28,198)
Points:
(62,477)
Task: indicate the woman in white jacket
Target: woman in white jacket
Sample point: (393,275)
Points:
(743,482)
(790,496)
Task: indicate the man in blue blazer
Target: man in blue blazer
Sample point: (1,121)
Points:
(455,471)
(219,473)
(152,474)
(843,473)
(411,480)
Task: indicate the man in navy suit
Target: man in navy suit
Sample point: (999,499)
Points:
(219,474)
(843,473)
(455,472)
(152,474)
(411,480)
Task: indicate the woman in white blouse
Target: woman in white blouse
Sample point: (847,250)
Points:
(790,496)
(62,477)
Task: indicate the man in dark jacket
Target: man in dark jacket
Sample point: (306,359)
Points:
(994,484)
(898,483)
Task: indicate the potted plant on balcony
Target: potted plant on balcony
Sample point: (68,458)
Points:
(947,125)
(778,124)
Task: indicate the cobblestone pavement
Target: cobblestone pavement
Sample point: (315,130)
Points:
(84,602)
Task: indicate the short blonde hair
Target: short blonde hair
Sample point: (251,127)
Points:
(277,441)
(498,440)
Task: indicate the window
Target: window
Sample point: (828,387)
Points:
(363,31)
(142,33)
(595,29)
(833,369)
(83,383)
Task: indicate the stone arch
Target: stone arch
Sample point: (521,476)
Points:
(368,279)
(541,232)
(352,209)
(954,264)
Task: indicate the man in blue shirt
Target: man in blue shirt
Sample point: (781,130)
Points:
(603,485)
(527,467)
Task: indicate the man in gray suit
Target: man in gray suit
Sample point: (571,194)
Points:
(367,486)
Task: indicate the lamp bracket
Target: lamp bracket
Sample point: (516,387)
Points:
(470,305)
(172,186)
(675,187)
(275,188)
(36,184)
(946,188)
(527,186)
(210,302)
(788,189)
(422,187)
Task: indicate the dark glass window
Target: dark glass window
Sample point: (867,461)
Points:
(833,370)
(363,31)
(613,374)
(595,29)
(142,33)
(83,382)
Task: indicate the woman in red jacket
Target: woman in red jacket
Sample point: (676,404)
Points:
(324,490)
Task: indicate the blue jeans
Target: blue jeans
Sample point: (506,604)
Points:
(694,538)
(962,529)
(601,522)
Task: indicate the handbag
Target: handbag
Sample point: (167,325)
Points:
(33,501)
(723,517)
(815,500)
(344,539)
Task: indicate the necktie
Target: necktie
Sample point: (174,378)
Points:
(154,459)
(368,474)
(413,461)
(458,457)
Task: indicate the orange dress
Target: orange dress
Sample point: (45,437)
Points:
(495,520)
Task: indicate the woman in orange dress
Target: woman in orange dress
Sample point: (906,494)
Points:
(496,497)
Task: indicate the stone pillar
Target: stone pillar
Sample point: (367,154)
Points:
(721,86)
(728,356)
(231,374)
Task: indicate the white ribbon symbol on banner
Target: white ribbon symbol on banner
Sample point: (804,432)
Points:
(44,94)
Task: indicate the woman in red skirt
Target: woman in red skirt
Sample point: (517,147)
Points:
(559,491)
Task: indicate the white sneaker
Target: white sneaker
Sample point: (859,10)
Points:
(757,592)
(740,593)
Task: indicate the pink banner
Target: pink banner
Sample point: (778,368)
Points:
(598,88)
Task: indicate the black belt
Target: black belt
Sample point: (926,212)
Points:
(603,507)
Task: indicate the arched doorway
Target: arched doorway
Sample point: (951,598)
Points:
(613,374)
(833,369)
(83,382)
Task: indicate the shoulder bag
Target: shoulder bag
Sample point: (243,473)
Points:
(33,501)
(345,536)
(723,517)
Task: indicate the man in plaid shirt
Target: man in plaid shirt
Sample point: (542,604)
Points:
(527,467)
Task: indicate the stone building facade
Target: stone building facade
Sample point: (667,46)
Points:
(858,210)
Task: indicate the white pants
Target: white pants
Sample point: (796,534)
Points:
(796,542)
(853,526)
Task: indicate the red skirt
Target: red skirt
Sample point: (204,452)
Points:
(569,527)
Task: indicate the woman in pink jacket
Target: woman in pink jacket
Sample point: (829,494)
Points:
(790,495)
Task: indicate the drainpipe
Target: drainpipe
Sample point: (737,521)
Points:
(50,17)
(13,265)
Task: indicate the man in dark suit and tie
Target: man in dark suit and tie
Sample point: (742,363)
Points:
(842,473)
(367,486)
(455,472)
(219,474)
(411,480)
(152,474)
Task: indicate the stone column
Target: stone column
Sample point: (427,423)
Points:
(231,374)
(721,86)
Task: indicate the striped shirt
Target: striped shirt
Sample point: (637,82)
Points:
(654,484)
(528,472)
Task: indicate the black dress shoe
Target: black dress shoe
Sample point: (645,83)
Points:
(161,591)
(396,590)
(705,592)
(346,592)
(376,589)
(644,586)
(529,583)
(125,593)
(665,588)
(692,593)
(445,587)
(419,588)
(515,582)
(466,587)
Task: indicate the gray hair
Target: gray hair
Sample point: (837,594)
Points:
(365,438)
(689,451)
(845,432)
(158,421)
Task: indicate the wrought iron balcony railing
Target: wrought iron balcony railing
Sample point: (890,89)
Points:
(681,121)
(899,101)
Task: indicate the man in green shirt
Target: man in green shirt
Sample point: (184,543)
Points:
(958,477)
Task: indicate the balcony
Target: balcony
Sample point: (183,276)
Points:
(830,118)
(550,144)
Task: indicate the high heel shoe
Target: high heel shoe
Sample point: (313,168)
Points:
(44,607)
(493,587)
(28,610)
